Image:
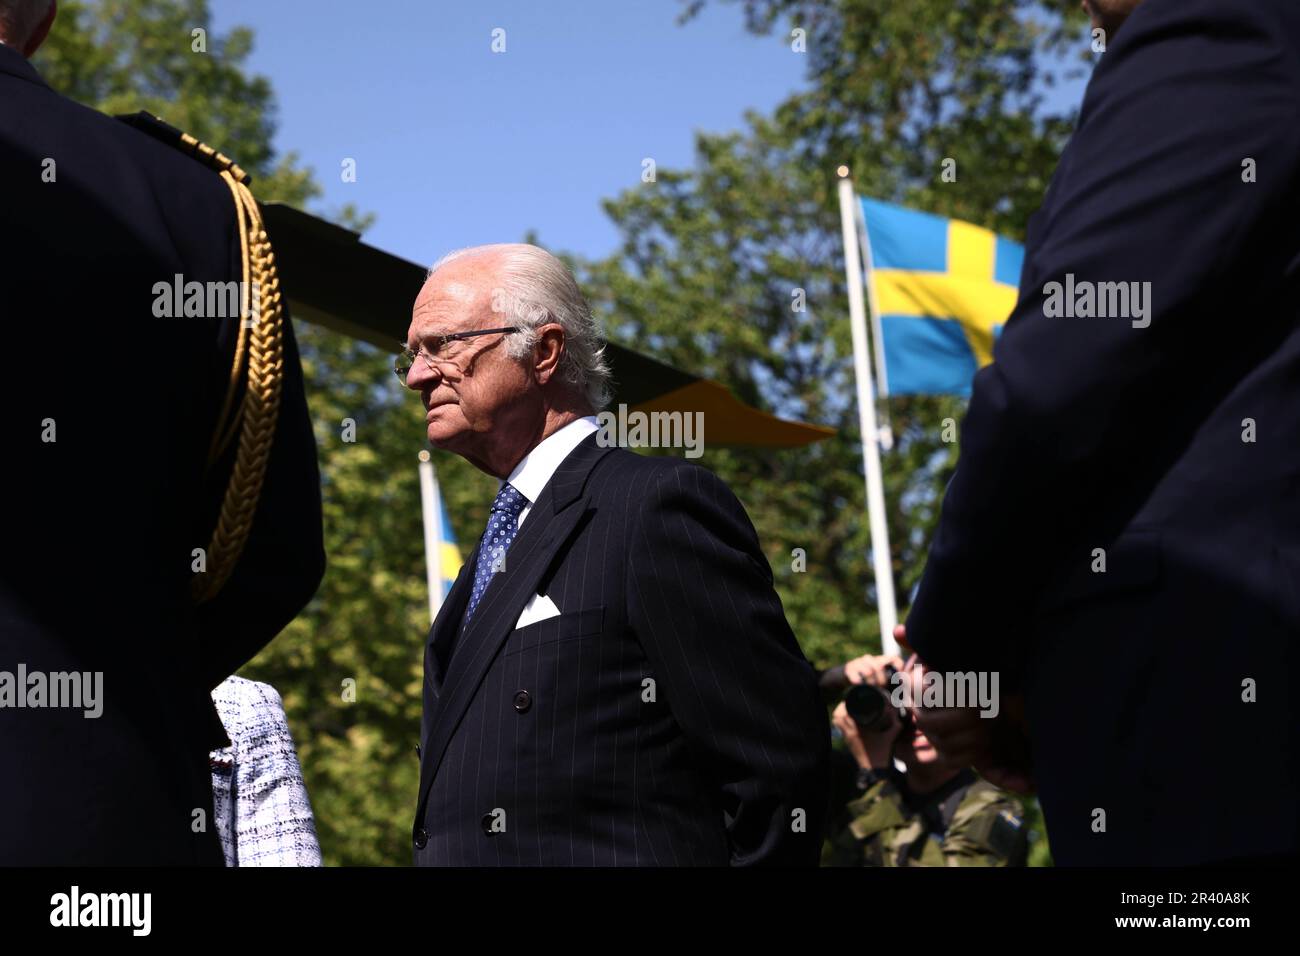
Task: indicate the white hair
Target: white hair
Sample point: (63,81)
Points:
(19,19)
(537,288)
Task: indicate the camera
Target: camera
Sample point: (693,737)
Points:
(869,706)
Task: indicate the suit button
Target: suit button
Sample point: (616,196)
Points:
(523,700)
(487,824)
(421,838)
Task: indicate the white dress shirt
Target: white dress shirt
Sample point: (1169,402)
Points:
(531,475)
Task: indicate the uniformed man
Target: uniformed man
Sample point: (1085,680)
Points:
(161,490)
(930,814)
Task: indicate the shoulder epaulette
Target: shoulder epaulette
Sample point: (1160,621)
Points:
(164,132)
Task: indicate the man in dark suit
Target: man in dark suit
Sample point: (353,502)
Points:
(611,680)
(108,414)
(1122,534)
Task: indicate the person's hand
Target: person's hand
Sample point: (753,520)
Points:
(873,750)
(996,748)
(870,669)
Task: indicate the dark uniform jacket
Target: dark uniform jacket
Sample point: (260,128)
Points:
(102,521)
(1167,447)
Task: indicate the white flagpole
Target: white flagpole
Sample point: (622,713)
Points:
(877,337)
(867,420)
(430,503)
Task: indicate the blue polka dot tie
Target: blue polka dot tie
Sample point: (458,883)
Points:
(502,526)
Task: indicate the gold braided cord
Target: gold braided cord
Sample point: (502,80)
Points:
(261,342)
(226,424)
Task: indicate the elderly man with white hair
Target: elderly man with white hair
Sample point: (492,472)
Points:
(611,680)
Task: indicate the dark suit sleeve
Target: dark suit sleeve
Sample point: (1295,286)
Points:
(703,606)
(1077,418)
(284,559)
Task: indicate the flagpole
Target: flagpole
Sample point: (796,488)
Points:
(430,504)
(877,337)
(871,436)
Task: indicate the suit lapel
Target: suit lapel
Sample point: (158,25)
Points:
(550,523)
(448,620)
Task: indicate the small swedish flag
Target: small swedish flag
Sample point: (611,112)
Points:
(449,561)
(943,289)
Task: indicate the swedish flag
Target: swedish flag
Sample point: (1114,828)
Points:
(943,289)
(449,561)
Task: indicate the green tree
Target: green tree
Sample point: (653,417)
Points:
(122,56)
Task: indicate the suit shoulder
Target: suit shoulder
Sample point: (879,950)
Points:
(178,151)
(125,161)
(649,482)
(116,138)
(1278,21)
(173,160)
(621,466)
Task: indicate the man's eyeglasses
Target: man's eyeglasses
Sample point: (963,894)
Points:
(406,357)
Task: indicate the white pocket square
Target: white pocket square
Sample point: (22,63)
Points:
(540,608)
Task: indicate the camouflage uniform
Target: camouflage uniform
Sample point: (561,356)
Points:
(966,822)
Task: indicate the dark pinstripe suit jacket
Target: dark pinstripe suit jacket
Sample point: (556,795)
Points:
(666,717)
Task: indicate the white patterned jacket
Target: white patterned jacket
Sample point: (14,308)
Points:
(263,815)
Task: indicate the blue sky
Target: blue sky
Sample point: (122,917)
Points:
(456,145)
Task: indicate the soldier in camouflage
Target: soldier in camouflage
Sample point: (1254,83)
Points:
(931,814)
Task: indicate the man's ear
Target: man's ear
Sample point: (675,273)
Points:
(548,351)
(42,31)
